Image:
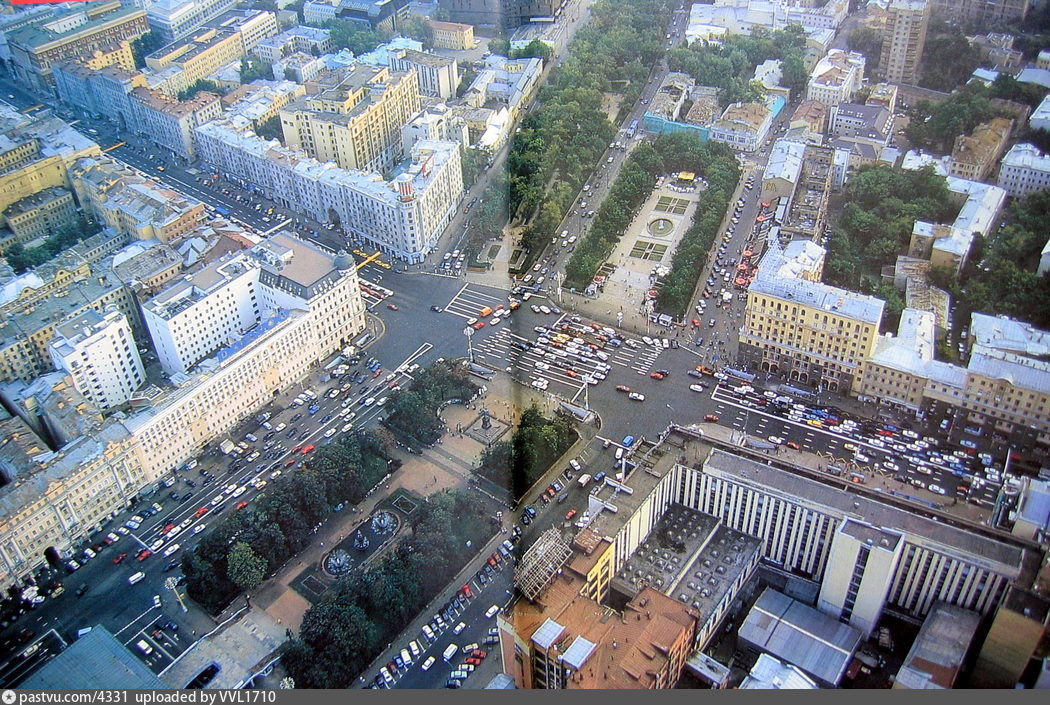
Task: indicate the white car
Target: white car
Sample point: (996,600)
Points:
(696,387)
(459,628)
(428,663)
(541,365)
(330,432)
(936,489)
(199,528)
(776,439)
(171,549)
(636,396)
(491,611)
(370,401)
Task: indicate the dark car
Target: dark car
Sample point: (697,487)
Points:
(172,565)
(436,309)
(295,418)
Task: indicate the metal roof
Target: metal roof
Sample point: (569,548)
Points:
(547,634)
(95,661)
(818,644)
(579,652)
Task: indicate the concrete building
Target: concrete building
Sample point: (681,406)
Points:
(1019,627)
(883,95)
(805,216)
(783,169)
(71,36)
(229,37)
(357,123)
(810,332)
(511,82)
(438,76)
(306,305)
(452,35)
(260,100)
(318,12)
(1024,170)
(402,217)
(299,67)
(986,12)
(836,77)
(39,215)
(743,126)
(903,37)
(309,40)
(133,204)
(869,122)
(1040,118)
(170,123)
(99,353)
(769,673)
(436,123)
(974,155)
(809,122)
(939,652)
(174,19)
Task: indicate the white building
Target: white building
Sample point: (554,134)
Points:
(436,122)
(403,217)
(99,353)
(1023,170)
(310,40)
(174,19)
(194,317)
(318,12)
(743,126)
(1040,119)
(438,75)
(836,77)
(310,305)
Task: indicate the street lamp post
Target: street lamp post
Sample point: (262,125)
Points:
(469,332)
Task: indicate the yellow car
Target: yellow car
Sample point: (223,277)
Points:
(814,422)
(849,446)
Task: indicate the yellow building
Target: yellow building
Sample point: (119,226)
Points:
(39,215)
(452,35)
(356,123)
(198,56)
(974,155)
(803,330)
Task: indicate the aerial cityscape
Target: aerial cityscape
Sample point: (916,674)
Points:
(507,344)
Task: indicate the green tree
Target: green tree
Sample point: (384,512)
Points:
(499,46)
(347,34)
(197,87)
(419,29)
(144,46)
(244,566)
(254,68)
(867,41)
(948,59)
(270,129)
(536,49)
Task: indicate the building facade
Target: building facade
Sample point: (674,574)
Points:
(974,155)
(986,12)
(39,215)
(742,126)
(836,77)
(356,124)
(438,76)
(452,35)
(100,355)
(174,19)
(403,217)
(903,38)
(1024,170)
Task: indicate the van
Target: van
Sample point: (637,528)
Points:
(458,675)
(406,657)
(449,653)
(145,648)
(619,453)
(137,577)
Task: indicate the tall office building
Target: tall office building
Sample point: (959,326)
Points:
(903,39)
(98,352)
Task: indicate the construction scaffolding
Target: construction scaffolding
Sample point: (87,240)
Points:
(541,563)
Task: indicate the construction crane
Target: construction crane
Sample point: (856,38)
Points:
(369,259)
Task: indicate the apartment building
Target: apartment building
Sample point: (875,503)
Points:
(133,204)
(452,35)
(836,77)
(357,123)
(871,122)
(984,12)
(308,40)
(1004,387)
(38,301)
(57,500)
(1024,170)
(742,126)
(974,155)
(903,37)
(269,312)
(805,215)
(174,19)
(299,67)
(511,82)
(438,76)
(180,64)
(35,155)
(39,215)
(99,353)
(260,100)
(804,330)
(402,217)
(437,122)
(71,36)
(170,123)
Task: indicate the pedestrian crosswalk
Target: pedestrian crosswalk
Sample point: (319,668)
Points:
(468,301)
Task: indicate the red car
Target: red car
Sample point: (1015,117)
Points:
(241,505)
(623,388)
(479,325)
(466,592)
(657,375)
(308,448)
(143,555)
(479,654)
(166,529)
(119,557)
(711,418)
(793,445)
(572,373)
(201,512)
(392,307)
(570,514)
(472,661)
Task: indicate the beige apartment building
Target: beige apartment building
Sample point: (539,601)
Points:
(452,35)
(198,56)
(903,38)
(974,155)
(356,123)
(807,331)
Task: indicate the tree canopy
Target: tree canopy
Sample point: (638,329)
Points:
(948,59)
(412,413)
(536,443)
